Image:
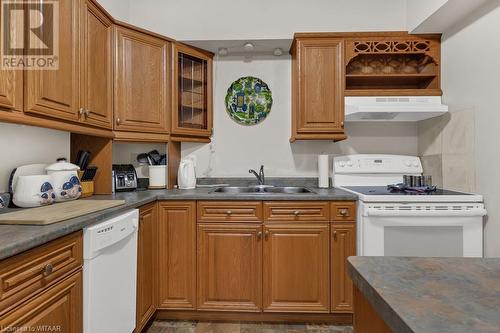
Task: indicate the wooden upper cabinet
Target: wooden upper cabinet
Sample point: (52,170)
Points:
(55,93)
(343,246)
(177,254)
(318,89)
(296,268)
(96,72)
(11,81)
(147,268)
(141,99)
(192,92)
(230,267)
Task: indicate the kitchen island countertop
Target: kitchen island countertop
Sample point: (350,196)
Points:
(15,239)
(431,295)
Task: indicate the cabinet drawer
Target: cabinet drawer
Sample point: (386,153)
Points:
(231,211)
(313,211)
(28,273)
(343,211)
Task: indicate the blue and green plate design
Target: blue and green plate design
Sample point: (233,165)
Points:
(249,100)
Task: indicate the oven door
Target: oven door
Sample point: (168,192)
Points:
(421,230)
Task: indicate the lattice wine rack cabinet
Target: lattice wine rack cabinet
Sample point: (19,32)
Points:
(406,65)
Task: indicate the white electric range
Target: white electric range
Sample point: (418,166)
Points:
(439,224)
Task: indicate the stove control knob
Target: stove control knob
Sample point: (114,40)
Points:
(408,163)
(341,164)
(415,164)
(349,163)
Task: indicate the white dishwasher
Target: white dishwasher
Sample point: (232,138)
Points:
(109,275)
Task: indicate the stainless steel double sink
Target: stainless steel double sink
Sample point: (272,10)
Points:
(262,190)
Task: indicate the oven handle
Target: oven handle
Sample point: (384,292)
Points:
(475,212)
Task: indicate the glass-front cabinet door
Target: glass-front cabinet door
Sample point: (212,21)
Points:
(192,112)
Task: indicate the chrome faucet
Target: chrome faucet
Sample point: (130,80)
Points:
(260,176)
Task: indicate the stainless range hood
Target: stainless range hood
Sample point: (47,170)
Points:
(396,108)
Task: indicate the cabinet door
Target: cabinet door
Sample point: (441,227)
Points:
(230,267)
(343,246)
(11,81)
(141,67)
(320,76)
(96,89)
(192,110)
(177,254)
(146,265)
(296,268)
(60,308)
(54,93)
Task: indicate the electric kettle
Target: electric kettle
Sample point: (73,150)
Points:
(186,176)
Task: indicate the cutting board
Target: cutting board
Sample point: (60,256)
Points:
(57,212)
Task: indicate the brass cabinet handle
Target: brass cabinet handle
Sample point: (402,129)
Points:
(49,268)
(335,234)
(87,113)
(81,111)
(118,121)
(296,213)
(229,212)
(259,235)
(342,124)
(344,212)
(266,234)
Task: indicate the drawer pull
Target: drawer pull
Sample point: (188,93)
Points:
(266,234)
(49,268)
(296,213)
(229,212)
(259,235)
(344,212)
(118,121)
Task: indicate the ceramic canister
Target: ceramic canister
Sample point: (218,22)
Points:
(34,191)
(66,185)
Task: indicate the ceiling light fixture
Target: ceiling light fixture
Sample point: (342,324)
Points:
(248,47)
(223,51)
(278,52)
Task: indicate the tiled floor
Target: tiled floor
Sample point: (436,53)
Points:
(205,327)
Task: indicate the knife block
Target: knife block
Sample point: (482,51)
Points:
(87,187)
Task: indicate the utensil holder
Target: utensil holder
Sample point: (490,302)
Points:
(87,187)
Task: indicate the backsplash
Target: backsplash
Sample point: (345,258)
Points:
(236,148)
(27,145)
(446,145)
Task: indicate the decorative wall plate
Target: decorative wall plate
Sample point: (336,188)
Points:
(248,100)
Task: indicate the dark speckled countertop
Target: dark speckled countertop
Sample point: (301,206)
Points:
(431,295)
(15,239)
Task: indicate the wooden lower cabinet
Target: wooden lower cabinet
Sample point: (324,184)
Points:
(343,245)
(177,255)
(296,267)
(58,309)
(146,265)
(230,267)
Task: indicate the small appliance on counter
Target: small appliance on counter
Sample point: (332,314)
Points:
(124,178)
(186,176)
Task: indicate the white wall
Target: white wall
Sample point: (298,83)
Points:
(119,9)
(236,148)
(238,19)
(27,145)
(471,81)
(417,11)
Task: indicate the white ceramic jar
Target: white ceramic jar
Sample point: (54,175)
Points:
(34,191)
